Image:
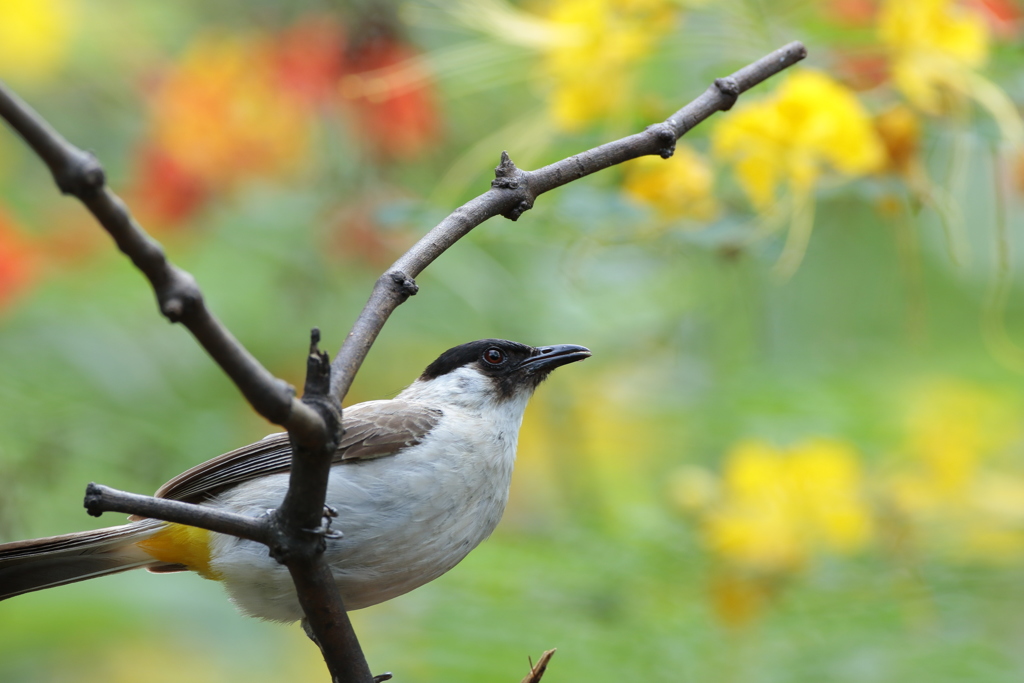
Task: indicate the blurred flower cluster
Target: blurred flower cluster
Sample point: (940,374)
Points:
(900,70)
(238,107)
(953,489)
(231,108)
(235,106)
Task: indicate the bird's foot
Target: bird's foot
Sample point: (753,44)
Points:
(330,514)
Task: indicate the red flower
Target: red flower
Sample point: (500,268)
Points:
(165,193)
(19,261)
(862,70)
(390,95)
(1002,16)
(852,13)
(310,58)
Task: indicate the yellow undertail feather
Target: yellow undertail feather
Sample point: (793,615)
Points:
(180,544)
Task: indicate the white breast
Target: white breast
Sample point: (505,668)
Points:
(406,518)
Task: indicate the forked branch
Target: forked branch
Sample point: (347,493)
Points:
(78,173)
(514,190)
(314,422)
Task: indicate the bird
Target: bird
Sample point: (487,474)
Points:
(417,482)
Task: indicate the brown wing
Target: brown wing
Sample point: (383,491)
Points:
(372,430)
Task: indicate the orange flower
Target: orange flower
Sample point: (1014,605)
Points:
(900,132)
(220,117)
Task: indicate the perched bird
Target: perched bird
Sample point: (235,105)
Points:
(418,481)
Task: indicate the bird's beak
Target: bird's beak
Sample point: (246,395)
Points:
(551,357)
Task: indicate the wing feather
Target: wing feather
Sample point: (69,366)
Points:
(374,429)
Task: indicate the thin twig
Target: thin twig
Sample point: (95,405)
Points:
(537,670)
(513,192)
(100,499)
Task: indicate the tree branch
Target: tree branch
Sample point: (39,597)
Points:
(513,192)
(295,533)
(78,173)
(100,499)
(313,424)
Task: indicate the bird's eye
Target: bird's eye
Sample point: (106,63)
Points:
(494,356)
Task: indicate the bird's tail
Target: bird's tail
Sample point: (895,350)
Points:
(39,563)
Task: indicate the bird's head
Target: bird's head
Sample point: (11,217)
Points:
(493,371)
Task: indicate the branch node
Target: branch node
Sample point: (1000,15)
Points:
(507,175)
(81,175)
(180,297)
(506,168)
(666,136)
(317,395)
(405,285)
(279,543)
(730,89)
(94,499)
(512,179)
(518,210)
(318,368)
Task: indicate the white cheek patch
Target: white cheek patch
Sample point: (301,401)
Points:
(465,387)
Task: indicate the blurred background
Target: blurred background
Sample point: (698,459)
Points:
(797,453)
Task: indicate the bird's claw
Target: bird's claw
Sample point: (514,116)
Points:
(380,678)
(325,532)
(330,513)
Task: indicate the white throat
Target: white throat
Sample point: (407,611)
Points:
(470,390)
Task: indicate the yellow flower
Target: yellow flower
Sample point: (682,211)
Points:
(34,37)
(952,426)
(933,46)
(811,124)
(678,187)
(935,49)
(965,498)
(588,48)
(781,507)
(592,47)
(827,476)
